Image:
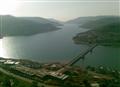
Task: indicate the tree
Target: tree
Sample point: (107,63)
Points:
(6,82)
(86,83)
(34,84)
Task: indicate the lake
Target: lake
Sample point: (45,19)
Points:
(58,46)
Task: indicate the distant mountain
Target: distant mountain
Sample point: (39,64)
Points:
(42,20)
(19,26)
(82,20)
(92,19)
(56,21)
(100,21)
(103,31)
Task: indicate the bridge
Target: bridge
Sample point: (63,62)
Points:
(81,55)
(59,73)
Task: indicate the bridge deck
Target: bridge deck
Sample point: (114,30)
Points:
(76,59)
(81,55)
(72,62)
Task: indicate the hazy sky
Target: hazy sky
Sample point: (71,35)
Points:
(66,9)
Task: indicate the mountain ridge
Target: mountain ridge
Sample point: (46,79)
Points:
(104,31)
(22,26)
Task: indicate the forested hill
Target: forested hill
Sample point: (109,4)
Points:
(22,26)
(104,31)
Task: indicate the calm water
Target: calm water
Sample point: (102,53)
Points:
(58,46)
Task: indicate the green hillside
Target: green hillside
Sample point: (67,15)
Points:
(105,31)
(21,26)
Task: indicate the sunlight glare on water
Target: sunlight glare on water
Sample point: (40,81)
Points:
(2,51)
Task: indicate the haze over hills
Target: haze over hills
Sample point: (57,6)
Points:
(101,26)
(42,20)
(105,30)
(87,20)
(56,21)
(100,21)
(20,26)
(80,20)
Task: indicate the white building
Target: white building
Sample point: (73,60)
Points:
(95,85)
(11,62)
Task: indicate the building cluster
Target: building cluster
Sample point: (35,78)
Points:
(8,61)
(30,71)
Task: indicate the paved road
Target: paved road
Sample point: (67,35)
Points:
(22,78)
(16,76)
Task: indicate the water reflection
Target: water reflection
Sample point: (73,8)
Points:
(57,46)
(2,49)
